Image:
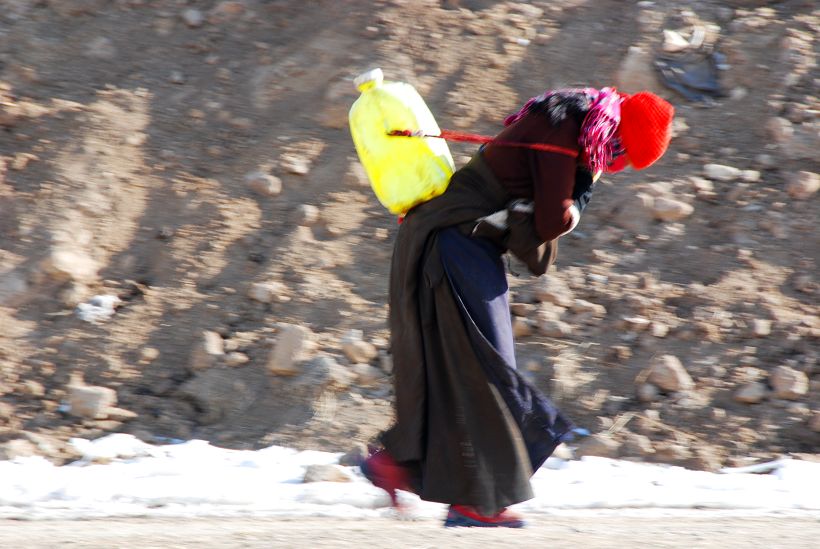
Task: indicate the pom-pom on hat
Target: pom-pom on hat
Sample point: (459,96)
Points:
(645,128)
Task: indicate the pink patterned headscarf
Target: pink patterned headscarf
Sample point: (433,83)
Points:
(599,126)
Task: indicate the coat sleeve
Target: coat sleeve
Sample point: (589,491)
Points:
(553,177)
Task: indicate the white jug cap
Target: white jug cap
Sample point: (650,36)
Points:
(369,79)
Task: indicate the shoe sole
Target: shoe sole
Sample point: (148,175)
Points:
(457,520)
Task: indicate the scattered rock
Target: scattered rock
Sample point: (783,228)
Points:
(635,445)
(207,351)
(268,292)
(634,213)
(367,375)
(522,327)
(761,327)
(308,215)
(70,264)
(721,172)
(327,473)
(780,130)
(290,346)
(554,328)
(355,456)
(149,354)
(752,393)
(329,374)
(91,402)
(356,349)
(551,289)
(600,445)
(648,392)
(263,184)
(193,18)
(121,414)
(667,209)
(803,185)
(788,383)
(17,448)
(235,359)
(668,373)
(217,393)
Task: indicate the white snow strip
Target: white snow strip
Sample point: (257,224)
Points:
(120,476)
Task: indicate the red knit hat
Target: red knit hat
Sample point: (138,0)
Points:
(645,128)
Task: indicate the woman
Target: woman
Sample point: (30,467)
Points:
(470,430)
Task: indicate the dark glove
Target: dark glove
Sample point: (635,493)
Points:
(582,191)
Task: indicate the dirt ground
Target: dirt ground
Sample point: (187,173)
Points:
(192,159)
(588,532)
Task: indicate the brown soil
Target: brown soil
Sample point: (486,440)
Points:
(129,128)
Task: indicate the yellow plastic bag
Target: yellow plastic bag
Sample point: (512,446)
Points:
(403,171)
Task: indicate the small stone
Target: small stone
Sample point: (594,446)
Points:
(780,130)
(751,393)
(751,176)
(522,327)
(268,292)
(121,414)
(308,215)
(206,351)
(34,388)
(667,209)
(553,290)
(635,323)
(290,346)
(356,349)
(803,185)
(668,373)
(659,329)
(235,359)
(90,402)
(648,392)
(637,445)
(554,328)
(669,452)
(367,375)
(263,184)
(721,172)
(176,77)
(193,18)
(788,383)
(329,374)
(16,448)
(702,185)
(355,456)
(600,445)
(761,327)
(149,354)
(327,473)
(583,306)
(70,264)
(295,164)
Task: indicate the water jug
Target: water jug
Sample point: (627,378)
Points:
(403,171)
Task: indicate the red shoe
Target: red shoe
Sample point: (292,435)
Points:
(463,515)
(384,472)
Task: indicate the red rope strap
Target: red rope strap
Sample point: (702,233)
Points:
(475,138)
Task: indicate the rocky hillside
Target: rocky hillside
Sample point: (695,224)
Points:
(189,247)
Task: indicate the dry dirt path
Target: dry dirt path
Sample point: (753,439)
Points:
(706,531)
